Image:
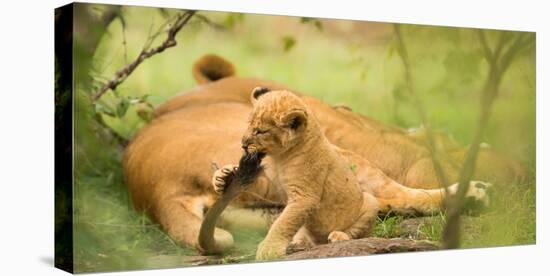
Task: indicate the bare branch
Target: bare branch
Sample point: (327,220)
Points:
(170,41)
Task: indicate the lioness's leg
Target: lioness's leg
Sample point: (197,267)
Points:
(398,198)
(362,226)
(395,197)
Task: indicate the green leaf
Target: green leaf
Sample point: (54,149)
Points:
(145,97)
(101,108)
(145,111)
(122,107)
(353,167)
(233,19)
(288,43)
(316,22)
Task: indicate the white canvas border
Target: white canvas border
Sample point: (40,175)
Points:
(27,136)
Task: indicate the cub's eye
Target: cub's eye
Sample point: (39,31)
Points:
(261,131)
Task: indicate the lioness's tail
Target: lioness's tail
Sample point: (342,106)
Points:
(249,168)
(212,68)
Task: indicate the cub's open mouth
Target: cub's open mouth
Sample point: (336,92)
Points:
(254,150)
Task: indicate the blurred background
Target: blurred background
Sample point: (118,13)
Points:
(339,61)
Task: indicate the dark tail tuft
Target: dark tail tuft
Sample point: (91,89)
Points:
(249,167)
(211,68)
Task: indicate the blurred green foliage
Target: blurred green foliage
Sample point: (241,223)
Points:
(347,62)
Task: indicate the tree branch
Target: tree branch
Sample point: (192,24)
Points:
(170,41)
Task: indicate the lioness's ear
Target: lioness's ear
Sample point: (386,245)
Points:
(257,92)
(294,119)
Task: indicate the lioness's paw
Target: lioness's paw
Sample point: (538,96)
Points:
(222,177)
(476,198)
(336,236)
(478,192)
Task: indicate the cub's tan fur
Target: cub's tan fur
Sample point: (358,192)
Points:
(324,196)
(168,163)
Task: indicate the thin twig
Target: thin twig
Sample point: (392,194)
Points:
(489,56)
(124,42)
(402,51)
(210,23)
(170,41)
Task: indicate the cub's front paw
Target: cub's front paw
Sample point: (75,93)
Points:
(336,236)
(269,250)
(222,177)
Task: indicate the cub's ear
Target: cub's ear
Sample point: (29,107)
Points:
(257,92)
(294,119)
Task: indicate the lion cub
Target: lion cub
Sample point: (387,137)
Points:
(325,201)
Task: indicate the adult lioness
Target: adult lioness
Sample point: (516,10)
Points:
(168,163)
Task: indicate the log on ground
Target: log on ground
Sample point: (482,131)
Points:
(362,247)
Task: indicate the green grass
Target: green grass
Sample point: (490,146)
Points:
(388,227)
(359,69)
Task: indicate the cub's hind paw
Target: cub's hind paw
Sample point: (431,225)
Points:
(336,236)
(222,177)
